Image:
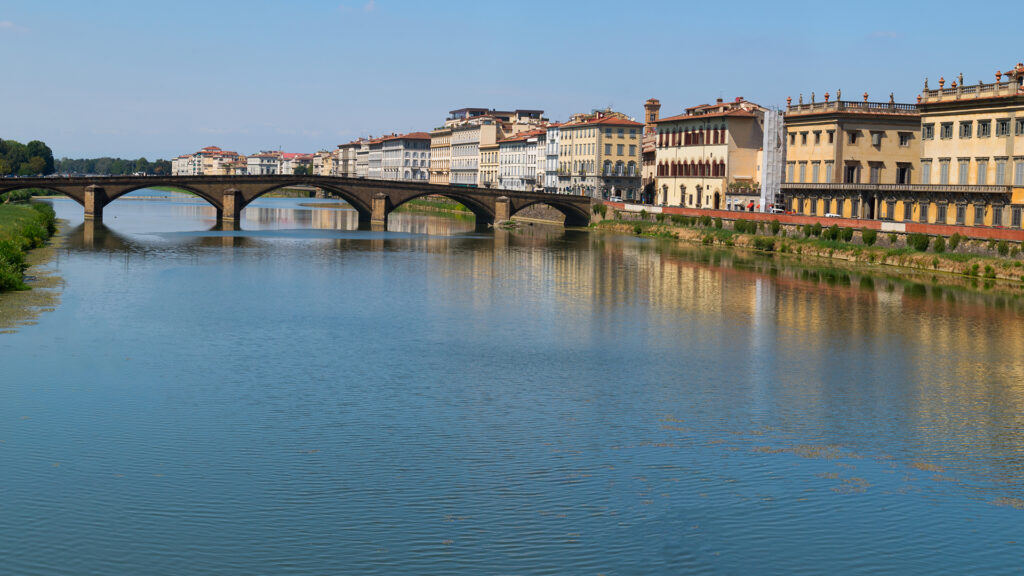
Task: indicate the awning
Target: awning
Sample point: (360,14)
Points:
(749,206)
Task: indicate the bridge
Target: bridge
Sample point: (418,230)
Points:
(372,199)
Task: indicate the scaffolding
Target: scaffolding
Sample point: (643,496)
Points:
(773,158)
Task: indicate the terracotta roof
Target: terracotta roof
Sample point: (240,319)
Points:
(523,136)
(604,120)
(409,136)
(735,113)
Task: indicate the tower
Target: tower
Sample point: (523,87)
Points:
(651,109)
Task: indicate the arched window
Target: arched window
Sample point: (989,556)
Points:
(607,170)
(631,168)
(619,168)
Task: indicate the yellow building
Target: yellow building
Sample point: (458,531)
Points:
(849,142)
(489,165)
(440,154)
(707,150)
(599,156)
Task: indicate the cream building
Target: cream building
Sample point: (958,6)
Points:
(849,142)
(709,153)
(345,159)
(440,154)
(489,165)
(406,157)
(210,161)
(600,155)
(517,159)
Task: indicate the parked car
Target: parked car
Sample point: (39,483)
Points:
(831,215)
(615,198)
(777,210)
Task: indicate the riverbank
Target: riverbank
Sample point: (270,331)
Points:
(975,259)
(23,227)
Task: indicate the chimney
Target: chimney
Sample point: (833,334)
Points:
(719,101)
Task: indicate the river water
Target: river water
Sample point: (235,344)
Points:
(302,397)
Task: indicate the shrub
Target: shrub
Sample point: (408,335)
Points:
(708,239)
(940,245)
(600,210)
(638,229)
(847,234)
(718,223)
(807,230)
(776,226)
(918,242)
(954,241)
(893,238)
(660,216)
(705,221)
(990,272)
(47,217)
(816,230)
(12,266)
(33,235)
(763,243)
(1003,247)
(973,271)
(991,244)
(833,232)
(935,260)
(869,236)
(677,218)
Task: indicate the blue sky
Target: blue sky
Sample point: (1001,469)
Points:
(158,79)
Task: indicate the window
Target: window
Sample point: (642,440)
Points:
(961,214)
(619,149)
(790,169)
(982,172)
(1000,173)
(608,149)
(876,173)
(1015,218)
(926,172)
(817,136)
(815,169)
(608,132)
(904,139)
(966,129)
(940,213)
(853,136)
(876,138)
(984,128)
(853,208)
(803,171)
(922,212)
(1019,127)
(964,170)
(792,138)
(997,215)
(943,171)
(850,177)
(803,138)
(903,174)
(979,214)
(927,131)
(828,172)
(622,132)
(831,136)
(946,130)
(890,210)
(1018,172)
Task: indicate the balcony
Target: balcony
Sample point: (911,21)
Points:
(849,106)
(917,188)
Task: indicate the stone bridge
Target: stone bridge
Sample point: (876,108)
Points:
(372,199)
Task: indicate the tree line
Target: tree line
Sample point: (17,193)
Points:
(113,166)
(25,159)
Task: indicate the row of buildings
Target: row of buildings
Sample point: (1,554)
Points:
(954,156)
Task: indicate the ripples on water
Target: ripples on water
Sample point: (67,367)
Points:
(299,396)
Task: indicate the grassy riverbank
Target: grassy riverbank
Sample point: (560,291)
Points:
(988,260)
(22,228)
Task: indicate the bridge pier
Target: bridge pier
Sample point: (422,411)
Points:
(379,209)
(502,210)
(231,207)
(95,201)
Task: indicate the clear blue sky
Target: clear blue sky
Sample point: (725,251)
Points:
(158,79)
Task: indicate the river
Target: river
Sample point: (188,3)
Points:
(302,397)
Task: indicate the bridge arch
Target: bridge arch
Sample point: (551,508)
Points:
(354,199)
(119,192)
(74,195)
(483,213)
(574,214)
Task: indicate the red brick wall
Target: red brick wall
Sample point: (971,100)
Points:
(798,220)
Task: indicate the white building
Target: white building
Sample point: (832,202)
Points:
(345,159)
(517,161)
(363,159)
(406,157)
(552,139)
(263,163)
(375,160)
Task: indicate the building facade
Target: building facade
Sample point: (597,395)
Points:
(600,155)
(517,158)
(406,157)
(552,138)
(345,159)
(707,157)
(440,154)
